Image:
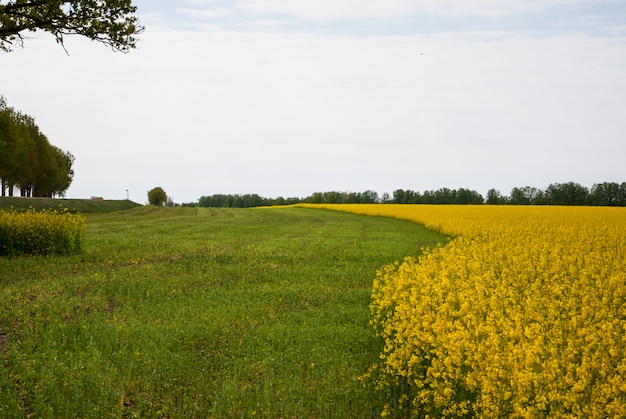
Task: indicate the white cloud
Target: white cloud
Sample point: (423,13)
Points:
(200,2)
(202,112)
(206,13)
(489,8)
(324,10)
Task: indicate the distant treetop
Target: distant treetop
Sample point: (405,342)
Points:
(570,193)
(157,196)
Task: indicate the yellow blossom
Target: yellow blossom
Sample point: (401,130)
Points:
(521,314)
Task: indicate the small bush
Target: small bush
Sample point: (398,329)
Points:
(40,232)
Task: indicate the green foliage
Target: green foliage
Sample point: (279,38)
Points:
(157,196)
(526,195)
(28,161)
(200,312)
(570,193)
(235,201)
(40,233)
(439,196)
(494,197)
(111,22)
(608,194)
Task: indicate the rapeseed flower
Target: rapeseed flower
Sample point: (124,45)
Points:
(40,232)
(521,314)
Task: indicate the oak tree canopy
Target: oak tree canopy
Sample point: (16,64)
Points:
(111,22)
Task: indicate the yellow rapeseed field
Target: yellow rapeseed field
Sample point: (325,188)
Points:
(521,314)
(40,232)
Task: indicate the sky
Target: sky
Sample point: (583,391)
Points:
(291,97)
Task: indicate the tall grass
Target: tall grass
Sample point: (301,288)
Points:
(186,312)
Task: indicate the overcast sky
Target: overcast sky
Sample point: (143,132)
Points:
(290,97)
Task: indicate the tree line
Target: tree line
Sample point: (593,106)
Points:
(28,162)
(400,196)
(255,200)
(570,193)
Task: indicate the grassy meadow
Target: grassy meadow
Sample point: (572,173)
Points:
(200,312)
(72,205)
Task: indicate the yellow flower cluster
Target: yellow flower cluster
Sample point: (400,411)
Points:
(522,314)
(40,232)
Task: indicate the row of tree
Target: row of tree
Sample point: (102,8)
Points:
(238,201)
(439,196)
(28,162)
(254,200)
(570,193)
(400,196)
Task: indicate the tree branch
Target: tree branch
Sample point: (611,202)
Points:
(110,22)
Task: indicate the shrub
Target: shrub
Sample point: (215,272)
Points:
(40,233)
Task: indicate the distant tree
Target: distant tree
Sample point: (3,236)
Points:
(621,195)
(428,197)
(292,200)
(561,194)
(316,198)
(334,197)
(239,201)
(254,200)
(608,194)
(352,198)
(569,193)
(444,196)
(369,197)
(401,196)
(208,201)
(111,22)
(526,195)
(413,197)
(398,196)
(518,197)
(157,196)
(494,197)
(467,196)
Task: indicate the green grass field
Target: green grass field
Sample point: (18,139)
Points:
(200,312)
(74,205)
